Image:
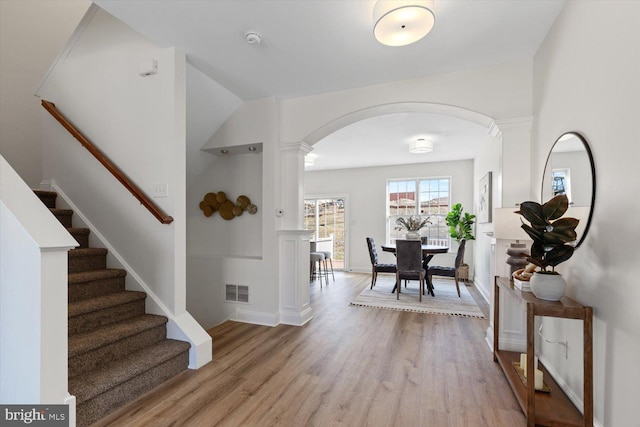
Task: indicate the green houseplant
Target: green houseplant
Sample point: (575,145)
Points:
(413,225)
(460,227)
(553,243)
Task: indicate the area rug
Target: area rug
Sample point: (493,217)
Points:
(446,300)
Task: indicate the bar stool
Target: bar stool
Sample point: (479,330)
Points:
(318,257)
(328,255)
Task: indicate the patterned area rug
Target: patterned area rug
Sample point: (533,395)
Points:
(446,300)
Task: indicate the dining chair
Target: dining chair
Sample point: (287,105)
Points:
(409,267)
(438,270)
(375,266)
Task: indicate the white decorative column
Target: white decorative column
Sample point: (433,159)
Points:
(513,183)
(293,240)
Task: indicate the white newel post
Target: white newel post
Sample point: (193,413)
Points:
(514,184)
(293,240)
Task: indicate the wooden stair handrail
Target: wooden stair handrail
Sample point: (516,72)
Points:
(107,163)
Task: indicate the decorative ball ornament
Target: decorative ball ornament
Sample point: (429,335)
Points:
(219,202)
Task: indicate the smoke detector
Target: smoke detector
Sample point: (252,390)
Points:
(252,37)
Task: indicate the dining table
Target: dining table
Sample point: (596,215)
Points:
(428,251)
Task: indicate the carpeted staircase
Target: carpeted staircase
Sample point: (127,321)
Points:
(116,350)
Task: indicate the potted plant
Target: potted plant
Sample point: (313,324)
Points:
(553,243)
(413,225)
(461,227)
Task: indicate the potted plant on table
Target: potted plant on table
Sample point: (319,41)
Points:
(553,238)
(461,228)
(413,225)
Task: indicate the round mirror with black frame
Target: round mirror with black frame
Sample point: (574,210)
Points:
(570,170)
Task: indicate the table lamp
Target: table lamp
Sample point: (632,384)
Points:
(506,226)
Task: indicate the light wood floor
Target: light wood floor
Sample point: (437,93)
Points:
(349,366)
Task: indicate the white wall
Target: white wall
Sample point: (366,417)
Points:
(33,296)
(498,92)
(589,81)
(367,193)
(489,160)
(242,236)
(208,106)
(139,123)
(244,250)
(31,35)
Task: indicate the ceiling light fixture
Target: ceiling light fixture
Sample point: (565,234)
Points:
(252,148)
(224,151)
(252,37)
(402,22)
(421,146)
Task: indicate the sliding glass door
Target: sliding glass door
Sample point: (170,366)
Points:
(325,217)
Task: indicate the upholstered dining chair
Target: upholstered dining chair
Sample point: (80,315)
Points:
(437,270)
(375,266)
(409,259)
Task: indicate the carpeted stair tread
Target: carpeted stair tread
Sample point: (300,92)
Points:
(64,216)
(81,343)
(88,276)
(100,303)
(81,235)
(94,383)
(80,252)
(47,197)
(58,211)
(78,230)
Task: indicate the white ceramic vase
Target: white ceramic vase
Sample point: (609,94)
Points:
(413,235)
(549,287)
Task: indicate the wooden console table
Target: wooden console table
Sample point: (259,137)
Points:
(553,408)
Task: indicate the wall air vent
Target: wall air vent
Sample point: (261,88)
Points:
(236,293)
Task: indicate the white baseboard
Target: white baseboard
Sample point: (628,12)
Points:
(257,317)
(295,319)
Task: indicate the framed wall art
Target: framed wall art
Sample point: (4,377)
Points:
(484,207)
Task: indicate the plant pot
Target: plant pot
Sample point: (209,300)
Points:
(413,235)
(549,287)
(463,273)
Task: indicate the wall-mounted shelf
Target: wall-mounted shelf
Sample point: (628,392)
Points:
(554,408)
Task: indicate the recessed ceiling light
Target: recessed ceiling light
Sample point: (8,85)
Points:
(224,151)
(252,148)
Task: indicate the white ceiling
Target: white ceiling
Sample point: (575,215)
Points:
(384,140)
(316,46)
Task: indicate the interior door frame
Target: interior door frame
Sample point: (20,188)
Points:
(347,222)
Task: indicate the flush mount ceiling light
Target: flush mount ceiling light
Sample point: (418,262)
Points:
(402,22)
(421,146)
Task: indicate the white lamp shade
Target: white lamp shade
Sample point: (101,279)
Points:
(421,146)
(401,22)
(507,225)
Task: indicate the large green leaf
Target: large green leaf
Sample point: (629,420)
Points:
(536,235)
(559,254)
(532,212)
(556,207)
(562,231)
